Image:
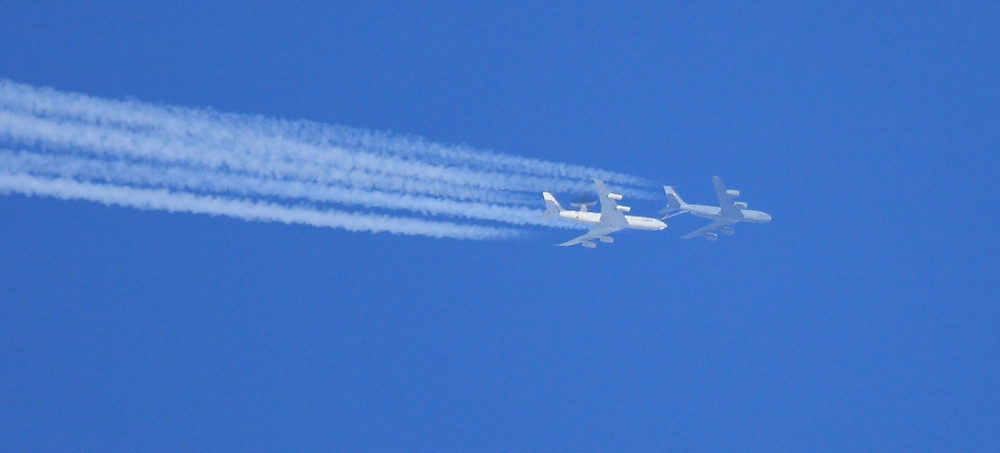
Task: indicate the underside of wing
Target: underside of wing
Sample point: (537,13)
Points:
(727,201)
(591,235)
(610,214)
(707,228)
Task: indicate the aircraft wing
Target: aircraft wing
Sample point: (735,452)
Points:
(610,215)
(726,202)
(708,228)
(594,233)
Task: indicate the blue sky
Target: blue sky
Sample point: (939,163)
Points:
(863,318)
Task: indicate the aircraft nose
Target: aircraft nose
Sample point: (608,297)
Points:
(767,218)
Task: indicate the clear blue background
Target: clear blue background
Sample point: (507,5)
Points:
(865,317)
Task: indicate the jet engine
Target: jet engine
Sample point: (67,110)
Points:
(624,208)
(741,205)
(728,231)
(711,236)
(732,193)
(607,239)
(589,245)
(615,196)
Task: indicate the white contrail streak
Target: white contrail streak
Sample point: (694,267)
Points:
(323,147)
(182,179)
(113,143)
(163,200)
(128,153)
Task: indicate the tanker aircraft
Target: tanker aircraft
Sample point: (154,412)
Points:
(727,213)
(611,218)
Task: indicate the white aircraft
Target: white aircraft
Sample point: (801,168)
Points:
(611,218)
(727,213)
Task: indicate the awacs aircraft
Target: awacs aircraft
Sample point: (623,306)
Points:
(728,212)
(611,218)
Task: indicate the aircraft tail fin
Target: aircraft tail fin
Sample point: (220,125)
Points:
(674,201)
(552,207)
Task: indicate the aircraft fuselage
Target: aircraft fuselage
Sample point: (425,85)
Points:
(594,218)
(715,213)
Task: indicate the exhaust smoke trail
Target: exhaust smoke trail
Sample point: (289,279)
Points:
(128,153)
(159,199)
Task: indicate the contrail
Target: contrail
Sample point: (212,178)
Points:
(110,143)
(159,199)
(183,179)
(233,129)
(129,153)
(277,155)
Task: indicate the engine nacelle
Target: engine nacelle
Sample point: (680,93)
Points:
(607,239)
(732,193)
(589,245)
(623,208)
(741,205)
(711,236)
(615,196)
(727,231)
